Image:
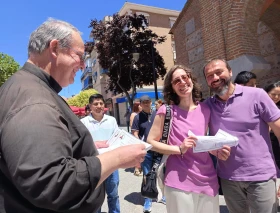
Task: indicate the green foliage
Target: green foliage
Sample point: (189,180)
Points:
(8,66)
(115,41)
(81,99)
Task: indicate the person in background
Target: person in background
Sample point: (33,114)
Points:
(101,127)
(136,109)
(273,90)
(140,129)
(248,175)
(127,117)
(158,104)
(87,110)
(49,162)
(191,183)
(246,78)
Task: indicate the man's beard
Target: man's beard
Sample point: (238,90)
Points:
(222,90)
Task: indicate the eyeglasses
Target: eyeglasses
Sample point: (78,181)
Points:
(183,78)
(78,53)
(274,95)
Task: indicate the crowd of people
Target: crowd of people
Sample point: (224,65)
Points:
(51,161)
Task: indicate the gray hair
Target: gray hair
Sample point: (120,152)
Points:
(51,29)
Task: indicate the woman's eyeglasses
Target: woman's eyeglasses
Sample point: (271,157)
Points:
(183,78)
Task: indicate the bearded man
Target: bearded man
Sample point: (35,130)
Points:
(248,175)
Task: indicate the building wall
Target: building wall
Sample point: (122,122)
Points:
(160,24)
(246,33)
(270,50)
(188,36)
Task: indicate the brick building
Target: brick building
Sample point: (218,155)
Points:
(244,32)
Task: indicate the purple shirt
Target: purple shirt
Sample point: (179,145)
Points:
(195,172)
(245,115)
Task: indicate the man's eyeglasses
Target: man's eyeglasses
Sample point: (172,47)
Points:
(183,78)
(78,53)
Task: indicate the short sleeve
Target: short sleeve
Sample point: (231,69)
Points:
(162,110)
(135,123)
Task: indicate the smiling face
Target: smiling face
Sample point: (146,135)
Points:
(97,108)
(68,60)
(274,94)
(182,83)
(218,77)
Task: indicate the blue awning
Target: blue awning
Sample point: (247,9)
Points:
(151,94)
(121,100)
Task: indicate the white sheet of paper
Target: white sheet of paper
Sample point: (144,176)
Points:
(122,138)
(209,143)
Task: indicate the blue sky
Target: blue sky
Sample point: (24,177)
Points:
(20,17)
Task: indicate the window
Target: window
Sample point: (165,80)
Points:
(88,62)
(93,62)
(173,50)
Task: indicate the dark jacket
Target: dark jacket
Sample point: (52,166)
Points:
(47,155)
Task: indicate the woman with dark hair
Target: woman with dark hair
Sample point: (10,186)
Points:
(273,90)
(190,178)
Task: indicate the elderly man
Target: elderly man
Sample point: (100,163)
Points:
(248,175)
(48,159)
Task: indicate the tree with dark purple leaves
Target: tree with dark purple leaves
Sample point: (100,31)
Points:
(115,41)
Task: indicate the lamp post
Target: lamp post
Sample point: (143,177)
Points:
(154,70)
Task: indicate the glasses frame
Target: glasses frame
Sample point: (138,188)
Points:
(180,79)
(274,95)
(78,53)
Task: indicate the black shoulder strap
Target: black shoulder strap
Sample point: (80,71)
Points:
(166,125)
(165,133)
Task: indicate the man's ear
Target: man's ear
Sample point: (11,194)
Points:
(53,48)
(230,73)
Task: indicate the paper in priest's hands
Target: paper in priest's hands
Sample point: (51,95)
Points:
(122,138)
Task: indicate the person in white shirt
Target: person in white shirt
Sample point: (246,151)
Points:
(101,127)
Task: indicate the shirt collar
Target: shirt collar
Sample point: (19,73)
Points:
(238,90)
(91,119)
(33,69)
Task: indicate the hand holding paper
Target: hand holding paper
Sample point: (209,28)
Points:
(122,138)
(209,143)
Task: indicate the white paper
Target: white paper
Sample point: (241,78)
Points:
(122,138)
(209,143)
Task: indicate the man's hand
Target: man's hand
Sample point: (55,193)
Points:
(101,144)
(131,155)
(278,192)
(188,142)
(222,153)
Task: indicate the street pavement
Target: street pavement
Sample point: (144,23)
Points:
(130,197)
